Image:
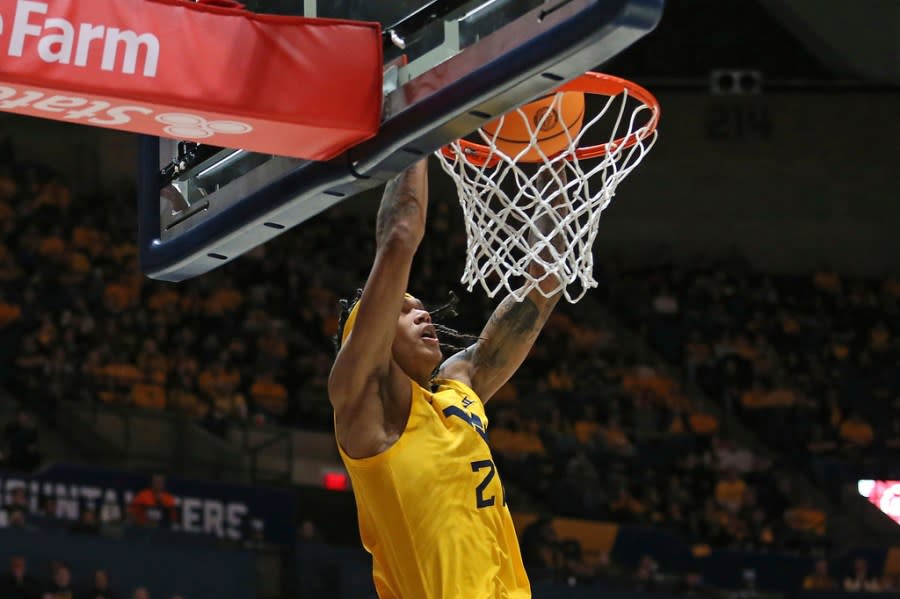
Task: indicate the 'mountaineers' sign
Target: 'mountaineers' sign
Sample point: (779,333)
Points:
(174,68)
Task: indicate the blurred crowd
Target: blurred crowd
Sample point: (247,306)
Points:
(624,443)
(81,323)
(810,363)
(547,556)
(151,516)
(586,429)
(19,583)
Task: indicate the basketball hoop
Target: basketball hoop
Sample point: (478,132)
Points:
(534,209)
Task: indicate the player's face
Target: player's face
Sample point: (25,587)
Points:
(416,348)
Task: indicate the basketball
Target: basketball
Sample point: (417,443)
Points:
(515,129)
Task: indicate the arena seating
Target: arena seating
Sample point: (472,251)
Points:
(613,435)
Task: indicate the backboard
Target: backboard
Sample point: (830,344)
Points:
(449,67)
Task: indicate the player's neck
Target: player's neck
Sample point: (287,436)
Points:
(419,373)
(424,382)
(421,379)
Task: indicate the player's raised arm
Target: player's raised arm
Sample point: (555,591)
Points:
(364,360)
(514,326)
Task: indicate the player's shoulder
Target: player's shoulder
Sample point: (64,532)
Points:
(457,367)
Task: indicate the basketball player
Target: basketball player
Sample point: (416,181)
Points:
(432,510)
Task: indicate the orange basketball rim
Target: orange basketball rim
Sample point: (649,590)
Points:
(599,84)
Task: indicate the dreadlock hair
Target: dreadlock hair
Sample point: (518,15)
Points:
(452,340)
(345,306)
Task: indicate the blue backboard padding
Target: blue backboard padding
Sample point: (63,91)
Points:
(598,32)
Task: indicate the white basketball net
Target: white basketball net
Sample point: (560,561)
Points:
(527,226)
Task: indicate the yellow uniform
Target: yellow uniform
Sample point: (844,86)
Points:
(432,511)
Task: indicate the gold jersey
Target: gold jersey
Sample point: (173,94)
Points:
(432,510)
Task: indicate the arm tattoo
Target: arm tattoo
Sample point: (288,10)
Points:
(398,203)
(520,318)
(513,322)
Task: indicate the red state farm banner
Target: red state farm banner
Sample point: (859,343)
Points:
(307,88)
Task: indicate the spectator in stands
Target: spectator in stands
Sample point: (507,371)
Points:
(153,506)
(693,585)
(859,580)
(615,439)
(229,402)
(540,549)
(183,396)
(731,457)
(17,584)
(855,433)
(819,580)
(625,507)
(18,519)
(761,532)
(573,565)
(21,444)
(270,398)
(18,502)
(61,587)
(48,508)
(730,491)
(749,576)
(309,533)
(806,525)
(87,523)
(101,588)
(215,420)
(140,593)
(605,570)
(646,576)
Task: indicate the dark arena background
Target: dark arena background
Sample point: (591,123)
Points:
(719,418)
